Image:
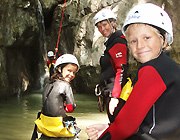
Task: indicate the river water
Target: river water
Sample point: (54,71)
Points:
(17,115)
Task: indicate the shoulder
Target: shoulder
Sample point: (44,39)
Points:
(163,63)
(167,68)
(118,37)
(61,86)
(61,82)
(48,62)
(119,33)
(58,83)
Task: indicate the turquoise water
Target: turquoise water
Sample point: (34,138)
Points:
(17,115)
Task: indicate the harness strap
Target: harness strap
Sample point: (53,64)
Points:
(47,97)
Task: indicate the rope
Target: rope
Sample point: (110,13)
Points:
(60,28)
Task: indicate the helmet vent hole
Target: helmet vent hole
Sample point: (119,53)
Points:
(162,14)
(136,12)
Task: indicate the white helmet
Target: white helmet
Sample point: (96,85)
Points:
(50,54)
(150,14)
(104,14)
(67,58)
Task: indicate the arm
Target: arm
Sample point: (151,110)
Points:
(57,55)
(48,62)
(70,104)
(146,91)
(118,58)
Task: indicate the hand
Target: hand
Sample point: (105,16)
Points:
(94,131)
(112,105)
(56,49)
(64,103)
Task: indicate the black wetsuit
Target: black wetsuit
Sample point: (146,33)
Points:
(154,104)
(57,99)
(60,93)
(114,68)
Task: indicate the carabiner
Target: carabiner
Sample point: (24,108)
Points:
(97,90)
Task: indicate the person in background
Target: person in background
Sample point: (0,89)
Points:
(113,62)
(152,110)
(51,61)
(58,100)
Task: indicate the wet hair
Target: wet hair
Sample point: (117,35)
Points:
(58,75)
(161,31)
(115,25)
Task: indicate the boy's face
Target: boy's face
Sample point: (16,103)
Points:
(69,71)
(104,28)
(145,44)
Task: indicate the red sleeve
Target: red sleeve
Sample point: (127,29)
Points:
(48,62)
(69,108)
(54,61)
(146,91)
(118,57)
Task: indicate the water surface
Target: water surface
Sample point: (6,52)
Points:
(17,115)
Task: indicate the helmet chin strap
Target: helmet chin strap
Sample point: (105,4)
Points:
(161,49)
(112,29)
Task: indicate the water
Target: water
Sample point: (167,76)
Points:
(17,115)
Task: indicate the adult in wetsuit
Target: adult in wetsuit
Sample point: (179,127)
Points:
(113,62)
(152,110)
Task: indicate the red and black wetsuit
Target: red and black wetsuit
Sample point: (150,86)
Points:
(114,67)
(154,104)
(50,65)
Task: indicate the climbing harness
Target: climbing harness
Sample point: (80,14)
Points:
(100,102)
(99,92)
(51,68)
(60,28)
(70,126)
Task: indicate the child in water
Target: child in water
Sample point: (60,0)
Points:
(58,99)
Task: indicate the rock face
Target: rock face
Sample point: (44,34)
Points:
(28,29)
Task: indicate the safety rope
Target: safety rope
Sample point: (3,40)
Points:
(60,28)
